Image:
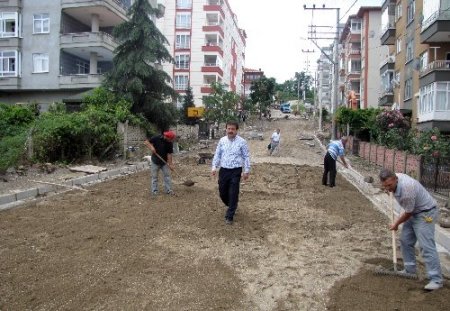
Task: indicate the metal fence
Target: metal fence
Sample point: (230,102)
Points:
(435,174)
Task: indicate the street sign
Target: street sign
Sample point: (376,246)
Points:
(195,112)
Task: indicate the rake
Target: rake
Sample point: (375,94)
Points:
(187,182)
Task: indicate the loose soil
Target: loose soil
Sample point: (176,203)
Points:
(294,245)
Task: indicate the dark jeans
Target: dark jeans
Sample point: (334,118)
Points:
(329,165)
(229,181)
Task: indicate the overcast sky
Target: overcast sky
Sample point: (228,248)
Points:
(275,30)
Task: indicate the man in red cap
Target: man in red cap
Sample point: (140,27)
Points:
(161,147)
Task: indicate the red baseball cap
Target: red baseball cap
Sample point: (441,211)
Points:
(169,135)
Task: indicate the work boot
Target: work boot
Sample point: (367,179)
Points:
(433,285)
(407,273)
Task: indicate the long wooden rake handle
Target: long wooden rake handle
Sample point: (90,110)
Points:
(394,240)
(165,162)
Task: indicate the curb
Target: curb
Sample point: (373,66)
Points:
(15,199)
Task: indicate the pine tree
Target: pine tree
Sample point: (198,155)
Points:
(134,74)
(188,102)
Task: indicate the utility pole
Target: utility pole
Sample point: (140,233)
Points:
(307,52)
(335,61)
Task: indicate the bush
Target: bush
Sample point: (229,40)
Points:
(12,150)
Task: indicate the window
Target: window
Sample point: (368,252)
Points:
(183,42)
(411,11)
(355,26)
(181,82)
(8,63)
(423,61)
(398,11)
(8,24)
(182,61)
(183,20)
(355,66)
(398,45)
(40,63)
(41,23)
(184,4)
(410,50)
(408,89)
(442,96)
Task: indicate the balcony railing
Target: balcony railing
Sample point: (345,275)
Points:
(80,81)
(211,65)
(438,15)
(436,65)
(123,4)
(88,37)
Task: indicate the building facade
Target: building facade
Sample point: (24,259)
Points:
(325,78)
(55,51)
(207,44)
(360,56)
(250,76)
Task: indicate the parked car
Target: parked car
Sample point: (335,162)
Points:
(286,109)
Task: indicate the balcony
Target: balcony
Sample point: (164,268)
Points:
(9,83)
(386,97)
(437,71)
(436,28)
(86,40)
(214,28)
(434,109)
(387,64)
(13,43)
(11,3)
(81,81)
(206,89)
(212,67)
(214,6)
(213,47)
(111,12)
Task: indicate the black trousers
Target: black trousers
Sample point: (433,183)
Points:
(229,182)
(329,166)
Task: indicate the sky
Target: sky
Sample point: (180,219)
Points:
(277,32)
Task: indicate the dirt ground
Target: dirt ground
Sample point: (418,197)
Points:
(294,245)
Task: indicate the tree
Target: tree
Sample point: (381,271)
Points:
(262,93)
(188,102)
(134,74)
(221,105)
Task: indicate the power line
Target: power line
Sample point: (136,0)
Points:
(348,9)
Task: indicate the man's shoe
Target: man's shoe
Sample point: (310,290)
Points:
(228,221)
(433,286)
(155,193)
(170,192)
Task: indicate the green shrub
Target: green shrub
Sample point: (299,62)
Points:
(12,150)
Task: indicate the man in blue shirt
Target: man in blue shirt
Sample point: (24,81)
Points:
(335,149)
(233,158)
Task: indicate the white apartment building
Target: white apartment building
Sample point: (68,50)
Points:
(56,50)
(207,45)
(325,78)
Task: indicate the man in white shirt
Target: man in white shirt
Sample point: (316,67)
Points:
(274,141)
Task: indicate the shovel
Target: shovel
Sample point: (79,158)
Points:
(187,183)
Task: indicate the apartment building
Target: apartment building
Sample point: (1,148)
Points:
(207,44)
(325,78)
(360,57)
(250,76)
(56,50)
(418,33)
(433,107)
